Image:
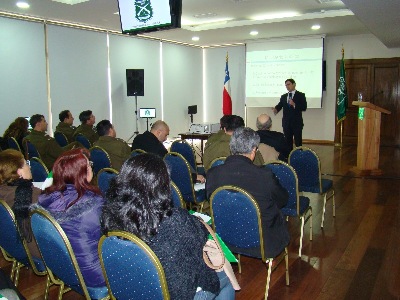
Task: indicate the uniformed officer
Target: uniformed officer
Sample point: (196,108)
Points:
(86,128)
(65,125)
(117,149)
(47,146)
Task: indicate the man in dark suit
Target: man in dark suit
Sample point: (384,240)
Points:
(293,104)
(272,138)
(260,182)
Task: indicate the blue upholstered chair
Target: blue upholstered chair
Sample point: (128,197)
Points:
(181,175)
(14,247)
(60,138)
(137,152)
(236,218)
(38,169)
(30,150)
(185,149)
(13,144)
(104,178)
(177,199)
(100,159)
(83,140)
(217,161)
(297,206)
(308,168)
(59,258)
(131,269)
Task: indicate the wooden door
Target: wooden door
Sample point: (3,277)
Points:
(379,82)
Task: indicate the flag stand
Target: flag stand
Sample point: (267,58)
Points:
(341,136)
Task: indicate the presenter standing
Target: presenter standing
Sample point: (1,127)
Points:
(293,104)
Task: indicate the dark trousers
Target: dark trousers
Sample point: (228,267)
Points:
(292,131)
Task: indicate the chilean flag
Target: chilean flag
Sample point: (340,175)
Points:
(226,95)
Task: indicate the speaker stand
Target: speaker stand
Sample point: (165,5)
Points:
(136,122)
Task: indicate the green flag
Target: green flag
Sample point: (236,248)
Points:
(342,93)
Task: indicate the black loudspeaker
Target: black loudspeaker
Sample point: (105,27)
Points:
(135,82)
(192,110)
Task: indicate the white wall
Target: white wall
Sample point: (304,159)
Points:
(190,76)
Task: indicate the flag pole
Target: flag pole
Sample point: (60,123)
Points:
(341,122)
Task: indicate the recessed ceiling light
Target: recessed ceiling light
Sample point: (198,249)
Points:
(22,4)
(253,32)
(315,27)
(195,38)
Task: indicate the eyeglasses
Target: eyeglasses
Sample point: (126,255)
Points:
(28,162)
(90,163)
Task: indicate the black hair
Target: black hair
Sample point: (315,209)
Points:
(234,122)
(224,121)
(139,197)
(103,127)
(290,80)
(85,116)
(63,115)
(35,119)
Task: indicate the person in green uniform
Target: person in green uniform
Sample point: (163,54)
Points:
(218,144)
(65,126)
(117,149)
(48,148)
(86,128)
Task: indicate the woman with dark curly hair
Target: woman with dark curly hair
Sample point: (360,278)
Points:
(18,129)
(139,201)
(17,191)
(76,205)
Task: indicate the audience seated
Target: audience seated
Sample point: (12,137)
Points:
(65,125)
(218,145)
(272,138)
(152,141)
(238,170)
(86,128)
(76,205)
(18,129)
(17,191)
(139,201)
(117,149)
(47,146)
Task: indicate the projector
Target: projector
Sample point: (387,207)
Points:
(204,128)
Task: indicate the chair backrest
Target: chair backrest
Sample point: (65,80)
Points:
(186,150)
(131,268)
(83,140)
(100,159)
(38,169)
(60,138)
(13,244)
(30,150)
(137,152)
(236,218)
(13,144)
(104,178)
(287,177)
(56,251)
(177,199)
(217,161)
(307,165)
(181,175)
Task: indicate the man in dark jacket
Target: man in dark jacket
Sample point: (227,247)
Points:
(272,138)
(239,170)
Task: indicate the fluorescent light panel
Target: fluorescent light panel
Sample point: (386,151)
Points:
(70,2)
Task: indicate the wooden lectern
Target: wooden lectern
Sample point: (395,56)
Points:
(369,129)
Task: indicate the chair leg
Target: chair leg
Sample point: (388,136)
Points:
(240,266)
(61,291)
(333,203)
(287,265)
(268,278)
(310,216)
(323,212)
(46,292)
(14,264)
(301,234)
(16,277)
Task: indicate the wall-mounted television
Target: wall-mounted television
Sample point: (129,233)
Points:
(141,16)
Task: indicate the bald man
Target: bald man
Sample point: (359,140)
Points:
(272,138)
(152,141)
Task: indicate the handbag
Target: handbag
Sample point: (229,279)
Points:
(215,259)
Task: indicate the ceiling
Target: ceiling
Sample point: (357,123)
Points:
(219,22)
